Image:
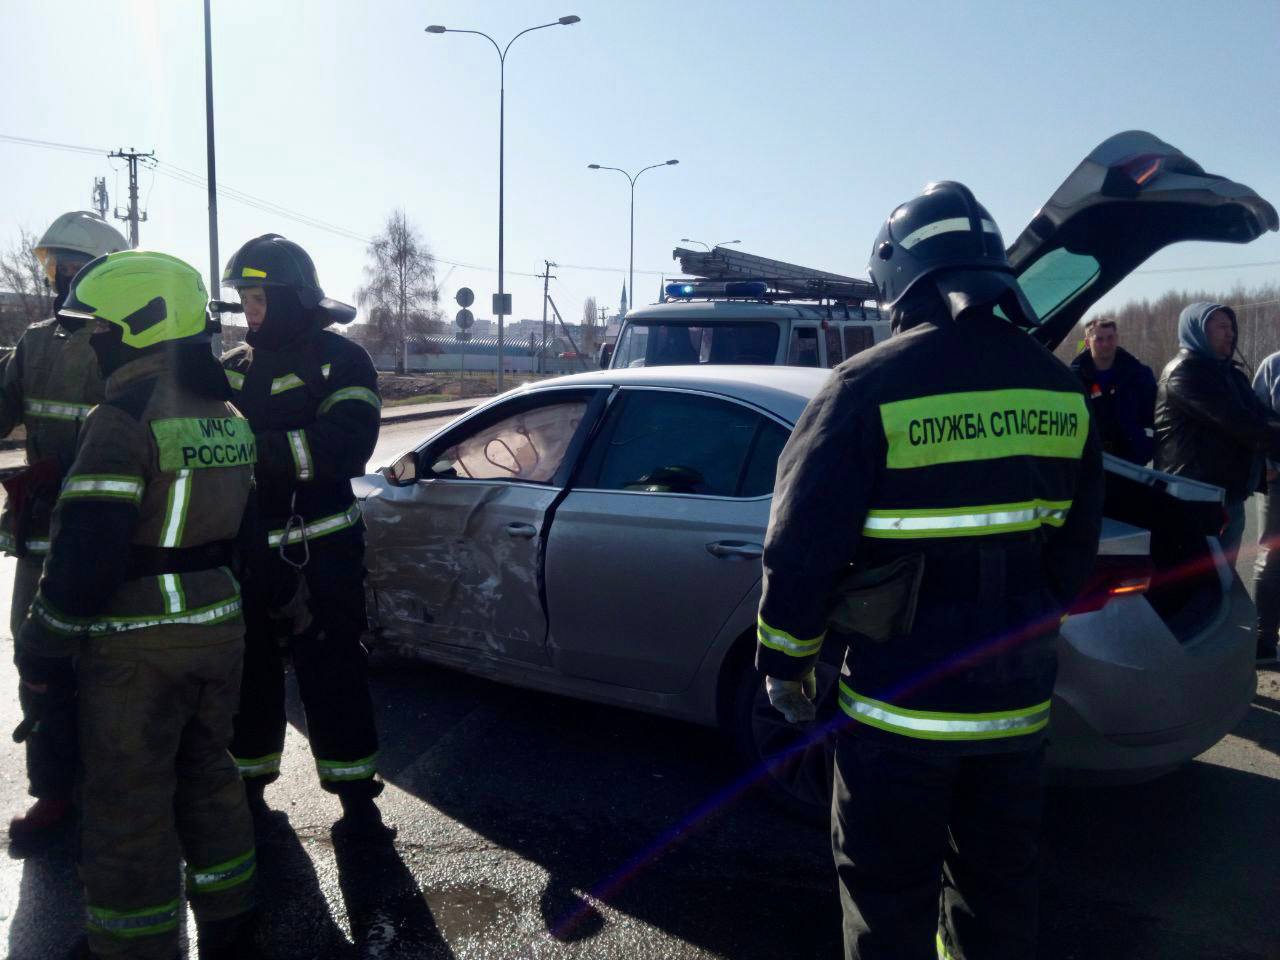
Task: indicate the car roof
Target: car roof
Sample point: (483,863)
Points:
(729,310)
(783,391)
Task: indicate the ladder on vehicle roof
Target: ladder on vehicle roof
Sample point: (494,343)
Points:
(787,279)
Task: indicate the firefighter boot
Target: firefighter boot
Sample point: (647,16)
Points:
(229,939)
(43,816)
(360,815)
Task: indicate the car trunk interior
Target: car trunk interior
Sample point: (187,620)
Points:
(1186,590)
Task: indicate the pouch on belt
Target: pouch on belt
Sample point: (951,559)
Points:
(878,603)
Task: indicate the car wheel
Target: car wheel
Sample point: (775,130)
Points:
(793,760)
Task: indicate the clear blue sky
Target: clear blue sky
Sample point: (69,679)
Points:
(797,126)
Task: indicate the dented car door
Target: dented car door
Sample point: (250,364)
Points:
(457,551)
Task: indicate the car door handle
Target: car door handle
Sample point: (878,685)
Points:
(526,531)
(734,550)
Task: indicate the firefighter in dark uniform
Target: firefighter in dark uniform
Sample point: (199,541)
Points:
(138,586)
(49,384)
(957,455)
(312,398)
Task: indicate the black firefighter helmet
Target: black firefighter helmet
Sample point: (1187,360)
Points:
(947,235)
(272,261)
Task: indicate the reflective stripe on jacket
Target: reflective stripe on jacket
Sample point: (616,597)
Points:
(315,409)
(157,467)
(48,384)
(969,444)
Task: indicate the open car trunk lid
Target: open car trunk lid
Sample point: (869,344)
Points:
(1131,196)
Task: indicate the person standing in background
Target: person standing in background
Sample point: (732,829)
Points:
(1121,391)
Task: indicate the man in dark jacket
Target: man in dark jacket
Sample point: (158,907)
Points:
(1121,391)
(312,399)
(1210,425)
(962,448)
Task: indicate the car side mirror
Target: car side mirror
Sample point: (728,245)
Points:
(403,471)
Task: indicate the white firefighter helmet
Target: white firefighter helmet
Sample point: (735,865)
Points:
(82,233)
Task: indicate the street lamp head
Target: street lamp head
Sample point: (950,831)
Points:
(572,18)
(593,166)
(672,163)
(435,28)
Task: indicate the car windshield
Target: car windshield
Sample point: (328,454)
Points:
(673,344)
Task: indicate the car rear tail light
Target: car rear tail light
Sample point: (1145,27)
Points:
(1115,577)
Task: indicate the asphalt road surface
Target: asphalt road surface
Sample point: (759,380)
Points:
(529,826)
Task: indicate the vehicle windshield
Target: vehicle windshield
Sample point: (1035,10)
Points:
(661,344)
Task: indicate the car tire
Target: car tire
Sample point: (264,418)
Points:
(793,761)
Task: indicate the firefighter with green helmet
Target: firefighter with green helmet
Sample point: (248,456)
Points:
(48,385)
(138,588)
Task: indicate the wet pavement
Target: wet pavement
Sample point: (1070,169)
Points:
(530,826)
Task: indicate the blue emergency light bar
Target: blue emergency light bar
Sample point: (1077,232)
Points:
(717,288)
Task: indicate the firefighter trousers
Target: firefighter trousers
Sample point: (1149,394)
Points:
(936,856)
(331,667)
(159,787)
(51,748)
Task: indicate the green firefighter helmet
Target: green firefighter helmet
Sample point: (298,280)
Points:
(152,297)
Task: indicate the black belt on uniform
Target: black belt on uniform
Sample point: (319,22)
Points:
(154,561)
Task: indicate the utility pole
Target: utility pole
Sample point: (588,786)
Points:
(214,266)
(133,216)
(547,277)
(100,200)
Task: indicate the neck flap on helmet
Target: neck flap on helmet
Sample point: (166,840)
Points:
(285,322)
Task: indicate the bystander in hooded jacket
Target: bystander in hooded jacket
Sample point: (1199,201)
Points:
(1122,404)
(1210,425)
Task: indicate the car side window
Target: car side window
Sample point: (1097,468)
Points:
(660,441)
(529,446)
(804,347)
(762,465)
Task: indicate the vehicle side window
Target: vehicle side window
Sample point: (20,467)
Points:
(857,339)
(662,441)
(835,356)
(762,465)
(528,446)
(804,347)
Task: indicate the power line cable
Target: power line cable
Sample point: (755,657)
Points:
(52,145)
(1229,266)
(182,175)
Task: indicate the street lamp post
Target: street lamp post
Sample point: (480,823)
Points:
(631,275)
(723,243)
(502,103)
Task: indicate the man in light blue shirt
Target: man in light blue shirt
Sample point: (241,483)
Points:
(1266,568)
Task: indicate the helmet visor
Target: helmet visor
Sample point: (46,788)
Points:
(59,260)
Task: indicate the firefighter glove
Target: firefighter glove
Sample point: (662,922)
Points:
(793,698)
(44,680)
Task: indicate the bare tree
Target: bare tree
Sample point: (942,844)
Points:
(27,295)
(400,293)
(1149,328)
(590,314)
